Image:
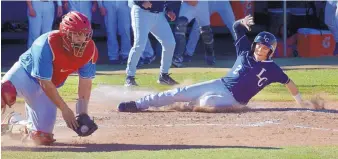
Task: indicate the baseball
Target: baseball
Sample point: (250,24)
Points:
(84,128)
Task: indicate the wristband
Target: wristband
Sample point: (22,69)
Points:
(81,106)
(298,98)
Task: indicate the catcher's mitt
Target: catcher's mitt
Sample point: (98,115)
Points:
(192,2)
(86,127)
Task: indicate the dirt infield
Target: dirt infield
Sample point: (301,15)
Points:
(266,125)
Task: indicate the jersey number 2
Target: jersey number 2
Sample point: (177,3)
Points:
(239,67)
(261,79)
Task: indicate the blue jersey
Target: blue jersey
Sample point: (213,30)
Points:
(38,61)
(248,76)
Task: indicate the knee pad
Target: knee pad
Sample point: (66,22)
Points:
(180,31)
(207,35)
(8,94)
(181,26)
(41,138)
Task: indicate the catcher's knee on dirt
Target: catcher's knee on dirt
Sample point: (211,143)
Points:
(208,40)
(180,31)
(41,138)
(8,94)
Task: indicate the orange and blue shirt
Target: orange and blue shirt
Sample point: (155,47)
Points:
(47,59)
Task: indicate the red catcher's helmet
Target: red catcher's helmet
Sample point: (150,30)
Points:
(75,23)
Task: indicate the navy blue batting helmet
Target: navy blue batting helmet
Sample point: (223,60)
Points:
(266,39)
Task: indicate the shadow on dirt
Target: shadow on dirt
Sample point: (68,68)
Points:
(291,109)
(242,110)
(118,147)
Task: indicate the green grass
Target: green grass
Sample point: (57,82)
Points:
(319,152)
(309,82)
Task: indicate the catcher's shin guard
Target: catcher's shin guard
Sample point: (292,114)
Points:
(208,40)
(180,31)
(41,138)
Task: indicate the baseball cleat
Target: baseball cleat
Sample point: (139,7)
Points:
(210,60)
(166,79)
(42,138)
(130,81)
(128,107)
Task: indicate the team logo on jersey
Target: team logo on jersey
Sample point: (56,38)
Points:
(261,79)
(326,42)
(239,67)
(65,70)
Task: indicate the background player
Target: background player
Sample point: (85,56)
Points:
(252,71)
(117,19)
(84,7)
(44,67)
(148,55)
(331,20)
(148,16)
(223,8)
(41,18)
(188,11)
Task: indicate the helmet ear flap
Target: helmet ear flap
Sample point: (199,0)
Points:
(253,45)
(270,54)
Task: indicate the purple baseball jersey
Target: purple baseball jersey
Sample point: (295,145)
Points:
(248,76)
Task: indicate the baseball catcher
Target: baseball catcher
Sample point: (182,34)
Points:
(42,69)
(253,70)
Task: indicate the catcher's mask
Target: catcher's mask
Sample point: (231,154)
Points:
(76,32)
